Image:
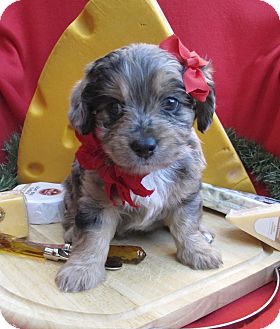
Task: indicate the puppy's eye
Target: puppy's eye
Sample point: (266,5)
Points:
(170,104)
(117,108)
(115,111)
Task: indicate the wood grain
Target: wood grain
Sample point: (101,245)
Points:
(159,292)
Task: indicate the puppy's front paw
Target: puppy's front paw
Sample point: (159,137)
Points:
(200,255)
(201,260)
(74,278)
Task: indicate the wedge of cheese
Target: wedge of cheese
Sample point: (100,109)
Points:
(261,222)
(224,167)
(48,144)
(13,214)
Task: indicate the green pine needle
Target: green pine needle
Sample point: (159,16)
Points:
(8,169)
(263,165)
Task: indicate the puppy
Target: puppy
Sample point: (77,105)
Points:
(134,99)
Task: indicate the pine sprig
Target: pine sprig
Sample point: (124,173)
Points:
(263,165)
(8,169)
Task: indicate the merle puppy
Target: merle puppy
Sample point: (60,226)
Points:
(134,103)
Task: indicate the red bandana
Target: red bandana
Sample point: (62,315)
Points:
(91,156)
(193,78)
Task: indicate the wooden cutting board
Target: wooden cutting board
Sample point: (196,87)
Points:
(159,292)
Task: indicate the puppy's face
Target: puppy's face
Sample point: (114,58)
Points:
(136,98)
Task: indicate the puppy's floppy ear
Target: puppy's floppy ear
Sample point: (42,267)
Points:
(81,114)
(204,110)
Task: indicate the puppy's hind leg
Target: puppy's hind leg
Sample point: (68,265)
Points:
(69,218)
(192,248)
(85,269)
(71,198)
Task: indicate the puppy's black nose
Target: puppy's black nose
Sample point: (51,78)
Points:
(144,147)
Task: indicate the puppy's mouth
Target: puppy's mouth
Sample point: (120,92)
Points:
(147,166)
(136,165)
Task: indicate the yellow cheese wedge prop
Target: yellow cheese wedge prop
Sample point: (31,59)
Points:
(48,144)
(261,222)
(13,214)
(224,167)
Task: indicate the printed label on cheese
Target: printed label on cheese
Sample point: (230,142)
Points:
(50,191)
(44,189)
(269,227)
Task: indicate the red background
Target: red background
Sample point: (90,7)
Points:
(242,38)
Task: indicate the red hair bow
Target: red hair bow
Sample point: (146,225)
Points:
(194,80)
(91,156)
